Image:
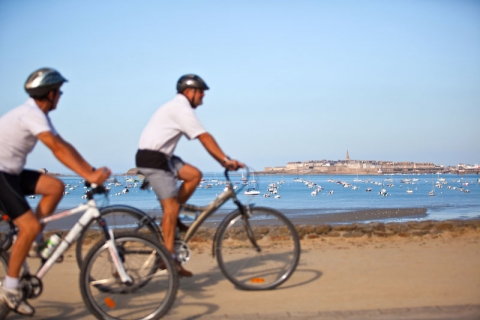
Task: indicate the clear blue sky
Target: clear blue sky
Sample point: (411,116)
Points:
(290,80)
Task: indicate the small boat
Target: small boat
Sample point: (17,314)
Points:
(277,196)
(409,190)
(266,195)
(431,193)
(251,192)
(368,189)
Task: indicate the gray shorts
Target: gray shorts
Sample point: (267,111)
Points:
(164,183)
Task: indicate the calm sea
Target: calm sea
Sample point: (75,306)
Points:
(296,198)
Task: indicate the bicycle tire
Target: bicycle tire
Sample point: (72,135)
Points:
(6,240)
(119,218)
(154,286)
(240,261)
(4,309)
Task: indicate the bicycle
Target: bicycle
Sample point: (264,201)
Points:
(256,248)
(124,275)
(118,217)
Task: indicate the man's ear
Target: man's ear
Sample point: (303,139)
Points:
(188,92)
(51,95)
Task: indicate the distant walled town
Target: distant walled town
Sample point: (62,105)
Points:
(363,167)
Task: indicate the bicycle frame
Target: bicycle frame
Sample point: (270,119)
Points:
(91,212)
(208,210)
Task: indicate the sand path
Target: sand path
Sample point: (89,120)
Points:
(429,277)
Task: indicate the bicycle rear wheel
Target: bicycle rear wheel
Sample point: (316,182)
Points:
(4,309)
(118,218)
(6,240)
(241,262)
(149,264)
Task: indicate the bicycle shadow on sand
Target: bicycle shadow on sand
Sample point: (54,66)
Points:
(54,310)
(205,286)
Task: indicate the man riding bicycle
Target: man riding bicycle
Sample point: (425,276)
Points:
(20,129)
(156,161)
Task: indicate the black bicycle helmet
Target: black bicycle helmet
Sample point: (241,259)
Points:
(191,81)
(42,81)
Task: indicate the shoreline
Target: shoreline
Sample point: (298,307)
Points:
(308,230)
(360,217)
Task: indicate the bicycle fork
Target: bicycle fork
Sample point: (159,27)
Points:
(246,215)
(112,249)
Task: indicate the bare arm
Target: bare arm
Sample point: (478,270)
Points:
(208,141)
(70,157)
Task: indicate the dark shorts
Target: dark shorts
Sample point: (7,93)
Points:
(14,188)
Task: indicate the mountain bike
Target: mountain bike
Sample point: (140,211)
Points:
(124,276)
(257,248)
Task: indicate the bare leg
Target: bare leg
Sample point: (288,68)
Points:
(28,228)
(28,225)
(51,190)
(191,177)
(171,209)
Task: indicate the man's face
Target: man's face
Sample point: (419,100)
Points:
(57,94)
(198,97)
(55,97)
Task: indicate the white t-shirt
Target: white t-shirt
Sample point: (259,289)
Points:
(18,135)
(168,124)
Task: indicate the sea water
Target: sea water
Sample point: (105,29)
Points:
(296,199)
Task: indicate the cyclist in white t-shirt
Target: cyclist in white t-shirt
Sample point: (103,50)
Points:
(20,129)
(155,158)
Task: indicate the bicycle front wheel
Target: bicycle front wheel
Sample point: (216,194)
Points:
(257,268)
(118,218)
(154,274)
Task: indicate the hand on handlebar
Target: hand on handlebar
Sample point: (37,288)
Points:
(233,165)
(98,176)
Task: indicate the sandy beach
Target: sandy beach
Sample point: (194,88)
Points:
(415,270)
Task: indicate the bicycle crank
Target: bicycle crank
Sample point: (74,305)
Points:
(31,285)
(182,251)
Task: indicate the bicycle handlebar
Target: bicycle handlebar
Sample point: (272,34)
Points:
(95,189)
(228,177)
